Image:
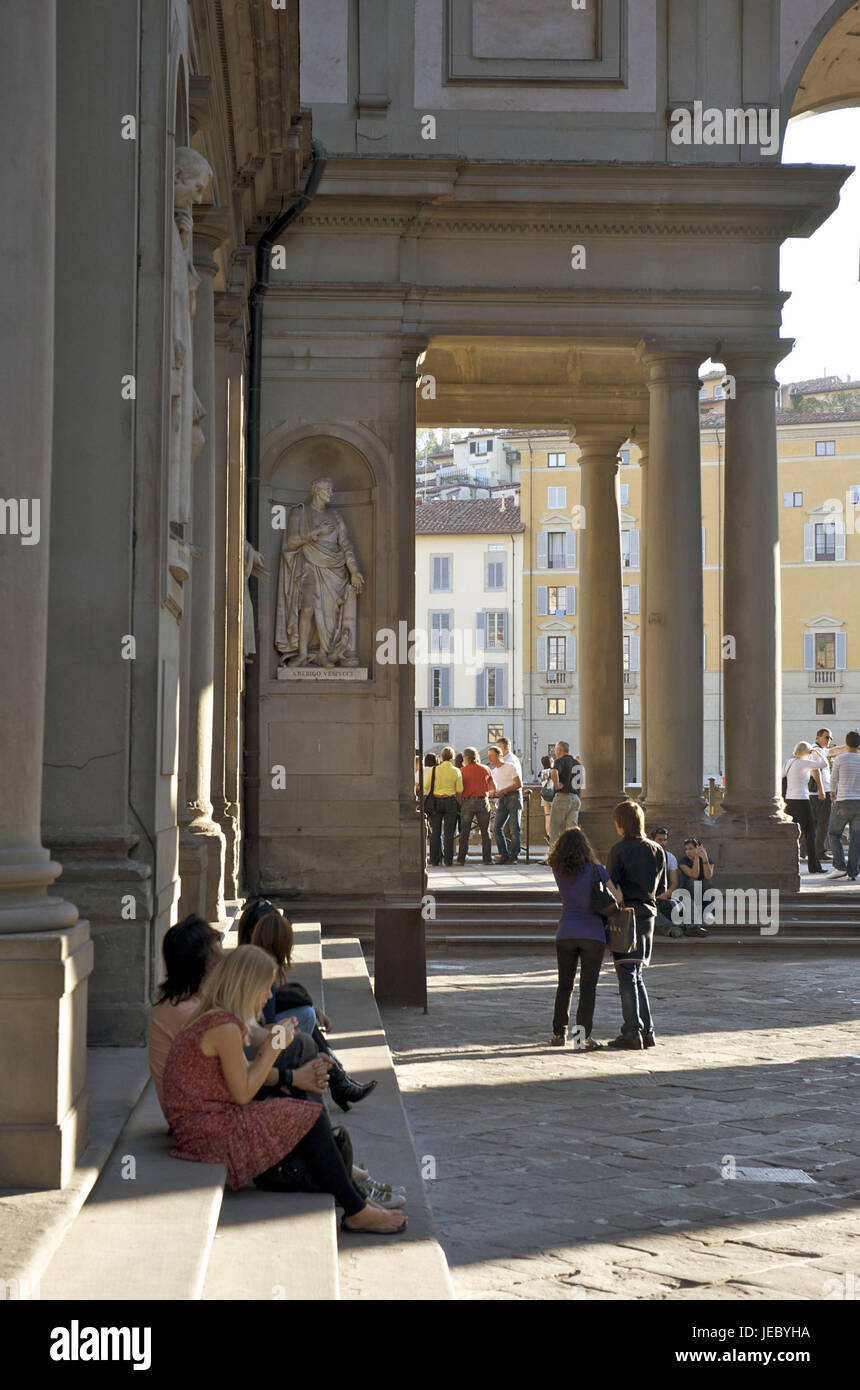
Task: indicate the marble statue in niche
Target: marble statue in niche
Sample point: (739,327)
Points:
(192,174)
(318,584)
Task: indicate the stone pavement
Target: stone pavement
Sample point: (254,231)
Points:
(474,876)
(566,1175)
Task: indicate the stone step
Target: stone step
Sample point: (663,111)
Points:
(395,1268)
(279,1246)
(146,1236)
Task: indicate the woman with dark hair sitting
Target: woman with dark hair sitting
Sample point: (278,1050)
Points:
(580,939)
(262,924)
(209,1084)
(637,868)
(190,949)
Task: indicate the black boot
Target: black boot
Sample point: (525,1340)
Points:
(343,1089)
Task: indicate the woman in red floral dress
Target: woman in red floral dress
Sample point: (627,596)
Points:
(209,1087)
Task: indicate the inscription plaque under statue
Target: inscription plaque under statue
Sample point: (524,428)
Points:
(317,674)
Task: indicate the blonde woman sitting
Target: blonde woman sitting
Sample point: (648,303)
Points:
(209,1086)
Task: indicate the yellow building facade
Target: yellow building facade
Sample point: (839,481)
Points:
(819,473)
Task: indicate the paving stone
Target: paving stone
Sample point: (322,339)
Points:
(565,1177)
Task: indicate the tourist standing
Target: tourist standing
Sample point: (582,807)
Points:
(443,788)
(547,790)
(507,792)
(566,779)
(580,939)
(477,785)
(845,794)
(824,751)
(797,772)
(637,868)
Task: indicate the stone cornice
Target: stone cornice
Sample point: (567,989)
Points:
(714,225)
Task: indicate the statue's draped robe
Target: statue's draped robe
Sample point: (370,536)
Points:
(316,576)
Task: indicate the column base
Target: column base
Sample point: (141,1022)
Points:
(44,1106)
(114,893)
(680,818)
(201,870)
(754,848)
(596,819)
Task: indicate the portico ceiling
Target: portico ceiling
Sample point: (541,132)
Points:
(531,382)
(832,79)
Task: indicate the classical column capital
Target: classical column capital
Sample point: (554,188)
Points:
(672,362)
(211,230)
(599,443)
(754,362)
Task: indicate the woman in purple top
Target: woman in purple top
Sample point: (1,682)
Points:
(580,938)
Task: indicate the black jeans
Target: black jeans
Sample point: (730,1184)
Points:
(821,818)
(588,955)
(323,1160)
(446,821)
(801,814)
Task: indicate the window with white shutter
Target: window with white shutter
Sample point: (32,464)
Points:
(441,567)
(557,498)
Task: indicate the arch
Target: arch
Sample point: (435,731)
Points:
(821,47)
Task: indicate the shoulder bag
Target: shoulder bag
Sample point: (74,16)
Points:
(429,797)
(620,922)
(785,781)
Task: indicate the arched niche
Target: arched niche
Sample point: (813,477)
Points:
(317,455)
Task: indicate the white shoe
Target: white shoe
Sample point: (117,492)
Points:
(381,1195)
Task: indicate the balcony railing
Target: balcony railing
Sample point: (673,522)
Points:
(825,678)
(558,677)
(631,678)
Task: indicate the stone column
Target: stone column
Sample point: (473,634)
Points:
(45,952)
(410,840)
(201,841)
(229,582)
(672,604)
(601,674)
(761,848)
(640,439)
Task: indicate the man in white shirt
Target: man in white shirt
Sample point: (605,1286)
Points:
(845,794)
(822,752)
(509,798)
(509,757)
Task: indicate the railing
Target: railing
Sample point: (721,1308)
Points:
(558,677)
(825,678)
(631,678)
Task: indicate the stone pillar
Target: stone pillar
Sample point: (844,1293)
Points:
(601,675)
(45,952)
(760,843)
(201,841)
(640,439)
(410,840)
(229,583)
(672,604)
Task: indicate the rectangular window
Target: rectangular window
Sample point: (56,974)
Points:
(630,762)
(555,550)
(441,625)
(630,550)
(626,705)
(825,706)
(440,573)
(556,706)
(496,546)
(792,499)
(494,572)
(825,540)
(625,642)
(482,477)
(440,733)
(825,651)
(557,460)
(556,498)
(556,599)
(853,495)
(495,732)
(630,598)
(440,687)
(556,651)
(825,448)
(496,630)
(625,457)
(624,490)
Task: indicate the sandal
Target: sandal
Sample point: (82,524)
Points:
(366,1231)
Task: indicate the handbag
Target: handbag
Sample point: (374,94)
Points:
(429,797)
(621,935)
(785,782)
(291,996)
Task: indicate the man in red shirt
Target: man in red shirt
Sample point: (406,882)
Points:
(477,782)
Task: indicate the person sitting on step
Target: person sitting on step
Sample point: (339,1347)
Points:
(190,949)
(209,1085)
(262,924)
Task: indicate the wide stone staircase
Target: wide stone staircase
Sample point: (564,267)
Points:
(156,1228)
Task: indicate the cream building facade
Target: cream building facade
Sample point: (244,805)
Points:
(468,609)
